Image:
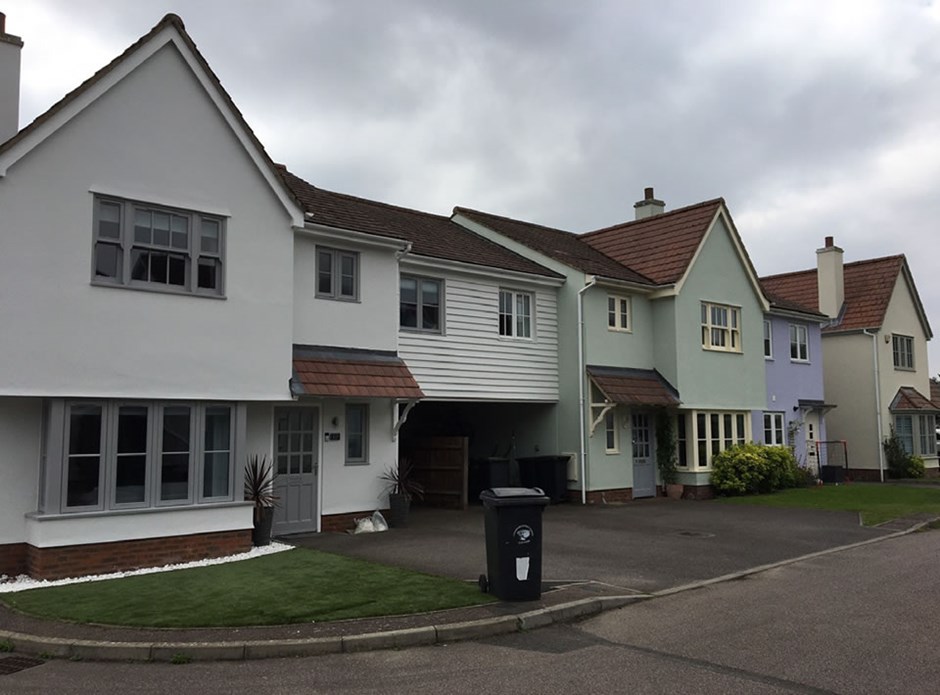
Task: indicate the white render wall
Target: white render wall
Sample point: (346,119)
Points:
(155,136)
(20,430)
(370,323)
(470,360)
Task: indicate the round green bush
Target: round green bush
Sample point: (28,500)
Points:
(749,469)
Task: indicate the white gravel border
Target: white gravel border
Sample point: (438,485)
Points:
(24,583)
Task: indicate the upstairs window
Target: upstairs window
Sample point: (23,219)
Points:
(799,343)
(618,313)
(721,327)
(420,304)
(768,340)
(902,347)
(151,247)
(515,314)
(337,274)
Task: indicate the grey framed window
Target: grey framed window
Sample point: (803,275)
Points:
(151,247)
(420,303)
(799,343)
(295,448)
(515,314)
(902,348)
(337,274)
(357,433)
(144,454)
(768,340)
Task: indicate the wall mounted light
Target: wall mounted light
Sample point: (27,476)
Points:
(335,421)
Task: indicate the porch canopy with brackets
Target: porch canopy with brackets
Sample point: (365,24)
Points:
(614,386)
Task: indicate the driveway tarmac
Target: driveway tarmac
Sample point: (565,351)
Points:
(641,546)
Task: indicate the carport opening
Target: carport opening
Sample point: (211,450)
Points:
(460,448)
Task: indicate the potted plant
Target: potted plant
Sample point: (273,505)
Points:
(666,458)
(259,489)
(401,487)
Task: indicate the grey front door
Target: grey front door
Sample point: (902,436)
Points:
(644,474)
(296,458)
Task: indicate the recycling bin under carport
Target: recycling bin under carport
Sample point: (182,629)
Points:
(513,522)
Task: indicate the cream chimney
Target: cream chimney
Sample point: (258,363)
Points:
(10,47)
(830,278)
(649,206)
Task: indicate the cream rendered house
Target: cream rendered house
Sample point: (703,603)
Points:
(874,353)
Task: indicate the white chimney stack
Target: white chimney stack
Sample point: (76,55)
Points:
(10,47)
(830,278)
(649,206)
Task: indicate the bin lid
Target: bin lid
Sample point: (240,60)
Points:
(512,496)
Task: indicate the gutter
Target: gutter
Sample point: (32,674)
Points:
(581,380)
(877,371)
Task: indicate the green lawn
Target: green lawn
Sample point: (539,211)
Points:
(876,502)
(290,587)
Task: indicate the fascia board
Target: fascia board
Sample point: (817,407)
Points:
(320,231)
(430,263)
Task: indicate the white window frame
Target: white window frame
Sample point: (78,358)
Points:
(715,436)
(774,429)
(926,435)
(611,432)
(513,323)
(902,351)
(198,249)
(419,304)
(799,343)
(335,273)
(619,313)
(768,340)
(905,434)
(58,433)
(721,327)
(362,459)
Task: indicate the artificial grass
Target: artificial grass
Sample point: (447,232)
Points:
(876,502)
(296,586)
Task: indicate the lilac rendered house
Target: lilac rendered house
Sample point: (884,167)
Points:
(796,408)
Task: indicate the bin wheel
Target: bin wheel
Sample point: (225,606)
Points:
(483,583)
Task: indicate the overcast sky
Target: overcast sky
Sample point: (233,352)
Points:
(810,118)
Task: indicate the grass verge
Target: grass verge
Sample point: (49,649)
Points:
(295,586)
(876,502)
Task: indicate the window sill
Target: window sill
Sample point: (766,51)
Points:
(722,351)
(619,330)
(54,516)
(793,361)
(156,290)
(904,369)
(347,300)
(420,331)
(516,339)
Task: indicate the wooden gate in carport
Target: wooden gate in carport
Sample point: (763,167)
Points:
(440,465)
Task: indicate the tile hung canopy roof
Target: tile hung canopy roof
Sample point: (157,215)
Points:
(348,373)
(430,235)
(633,386)
(660,247)
(935,391)
(557,244)
(868,286)
(910,399)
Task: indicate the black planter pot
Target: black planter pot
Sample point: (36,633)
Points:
(261,533)
(398,506)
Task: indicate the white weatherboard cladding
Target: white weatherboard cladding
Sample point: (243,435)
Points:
(370,323)
(81,529)
(470,360)
(157,137)
(20,420)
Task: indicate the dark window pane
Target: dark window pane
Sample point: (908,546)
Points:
(161,237)
(107,260)
(180,232)
(282,464)
(210,236)
(131,478)
(142,226)
(408,315)
(295,463)
(348,286)
(307,463)
(208,277)
(174,477)
(177,271)
(218,428)
(140,265)
(109,220)
(132,430)
(158,267)
(176,428)
(409,290)
(430,317)
(85,429)
(82,486)
(325,272)
(215,474)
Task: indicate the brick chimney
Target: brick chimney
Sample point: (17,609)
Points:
(10,47)
(830,278)
(649,206)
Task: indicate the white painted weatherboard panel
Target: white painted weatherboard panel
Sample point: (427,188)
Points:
(471,361)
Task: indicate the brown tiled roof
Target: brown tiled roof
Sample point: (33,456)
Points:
(909,398)
(779,302)
(557,244)
(430,235)
(345,373)
(633,386)
(168,20)
(660,247)
(868,288)
(935,391)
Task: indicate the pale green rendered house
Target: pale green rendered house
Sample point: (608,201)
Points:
(662,314)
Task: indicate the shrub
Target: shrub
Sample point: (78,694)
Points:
(748,469)
(900,463)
